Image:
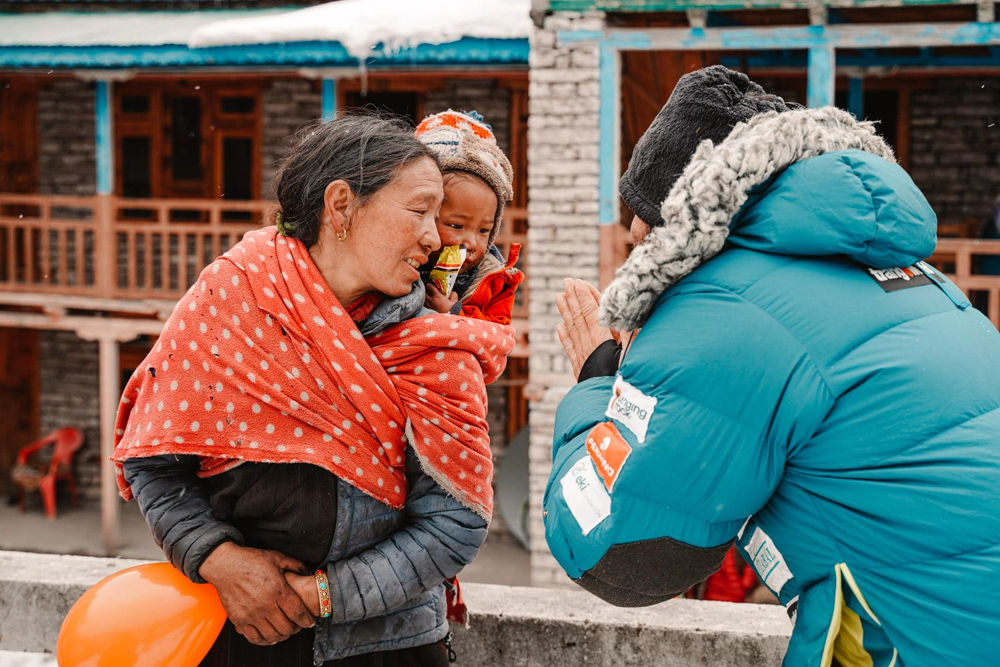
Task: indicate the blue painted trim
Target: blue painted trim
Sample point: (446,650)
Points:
(819,88)
(682,5)
(464,52)
(105,144)
(867,58)
(631,40)
(329,99)
(856,97)
(805,37)
(608,162)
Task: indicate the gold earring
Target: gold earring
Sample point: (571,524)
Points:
(341,234)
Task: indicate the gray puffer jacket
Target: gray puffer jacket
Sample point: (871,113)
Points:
(386,566)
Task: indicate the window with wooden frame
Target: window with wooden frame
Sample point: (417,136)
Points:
(180,139)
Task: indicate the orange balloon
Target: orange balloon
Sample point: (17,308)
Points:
(145,616)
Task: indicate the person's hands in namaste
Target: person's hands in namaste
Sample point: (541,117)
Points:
(580,332)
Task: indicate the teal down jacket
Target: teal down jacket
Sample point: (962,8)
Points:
(842,423)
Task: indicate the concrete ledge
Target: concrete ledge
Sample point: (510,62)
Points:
(546,627)
(37,591)
(510,625)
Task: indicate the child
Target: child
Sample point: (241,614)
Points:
(477,185)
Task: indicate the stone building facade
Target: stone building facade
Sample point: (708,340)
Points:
(563,234)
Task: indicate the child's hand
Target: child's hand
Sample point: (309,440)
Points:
(436,300)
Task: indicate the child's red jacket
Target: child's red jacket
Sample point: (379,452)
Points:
(491,296)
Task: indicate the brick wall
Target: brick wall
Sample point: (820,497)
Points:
(484,96)
(955,146)
(68,371)
(67,144)
(286,106)
(563,236)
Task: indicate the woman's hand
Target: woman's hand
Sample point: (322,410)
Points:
(254,592)
(580,332)
(436,300)
(304,586)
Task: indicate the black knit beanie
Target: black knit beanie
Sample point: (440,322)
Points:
(705,104)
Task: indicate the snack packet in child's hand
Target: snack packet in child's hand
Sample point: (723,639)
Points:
(449,263)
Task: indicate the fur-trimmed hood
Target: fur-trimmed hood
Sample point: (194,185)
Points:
(759,186)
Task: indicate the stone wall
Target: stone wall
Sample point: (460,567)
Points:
(286,106)
(67,141)
(563,134)
(955,146)
(485,96)
(509,625)
(68,370)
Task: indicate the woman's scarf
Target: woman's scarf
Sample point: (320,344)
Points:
(260,362)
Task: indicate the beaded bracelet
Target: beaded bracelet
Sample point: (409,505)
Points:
(323,586)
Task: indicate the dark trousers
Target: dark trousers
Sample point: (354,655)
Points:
(231,649)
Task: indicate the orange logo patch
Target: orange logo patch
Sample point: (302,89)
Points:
(609,451)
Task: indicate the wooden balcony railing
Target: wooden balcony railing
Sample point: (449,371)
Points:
(112,248)
(107,247)
(974,265)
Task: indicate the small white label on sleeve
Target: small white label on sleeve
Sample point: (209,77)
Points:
(631,407)
(585,495)
(768,561)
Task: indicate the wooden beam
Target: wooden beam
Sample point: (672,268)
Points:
(90,328)
(109,397)
(421,80)
(153,308)
(903,123)
(612,252)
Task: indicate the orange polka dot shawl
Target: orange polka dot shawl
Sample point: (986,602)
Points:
(260,362)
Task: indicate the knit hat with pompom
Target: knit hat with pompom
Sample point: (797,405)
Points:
(462,141)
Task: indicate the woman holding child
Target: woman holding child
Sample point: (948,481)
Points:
(306,435)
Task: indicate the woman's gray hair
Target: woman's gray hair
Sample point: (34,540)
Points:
(362,149)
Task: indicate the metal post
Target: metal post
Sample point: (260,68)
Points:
(821,76)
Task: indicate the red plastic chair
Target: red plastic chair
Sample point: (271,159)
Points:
(60,468)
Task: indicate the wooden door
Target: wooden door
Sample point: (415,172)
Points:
(19,395)
(19,133)
(186,144)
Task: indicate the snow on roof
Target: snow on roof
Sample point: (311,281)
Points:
(361,25)
(112,28)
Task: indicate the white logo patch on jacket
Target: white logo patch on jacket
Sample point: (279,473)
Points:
(631,407)
(585,495)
